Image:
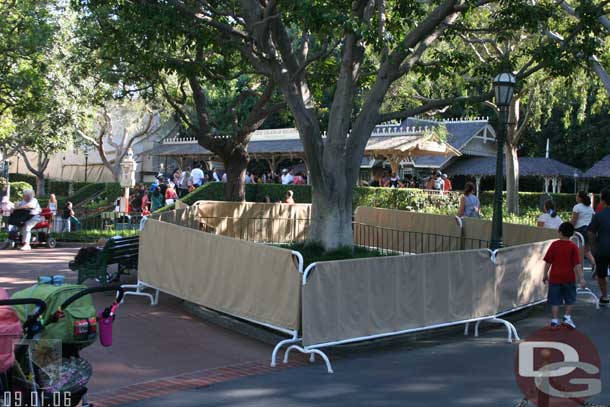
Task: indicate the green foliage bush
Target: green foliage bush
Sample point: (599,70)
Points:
(84,193)
(17,189)
(530,201)
(112,191)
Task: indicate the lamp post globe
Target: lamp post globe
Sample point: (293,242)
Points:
(504,87)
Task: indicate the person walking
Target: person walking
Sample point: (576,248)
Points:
(170,195)
(549,219)
(197,176)
(393,182)
(30,203)
(599,237)
(447,186)
(582,213)
(289,197)
(560,271)
(69,217)
(469,203)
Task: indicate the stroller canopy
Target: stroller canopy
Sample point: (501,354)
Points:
(10,331)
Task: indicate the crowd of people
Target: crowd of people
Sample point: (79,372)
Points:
(436,181)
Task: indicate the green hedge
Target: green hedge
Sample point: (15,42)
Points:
(390,198)
(59,188)
(84,193)
(532,200)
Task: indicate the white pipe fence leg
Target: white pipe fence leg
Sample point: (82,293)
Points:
(279,345)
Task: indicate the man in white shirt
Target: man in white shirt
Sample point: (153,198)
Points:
(31,203)
(287,177)
(197,176)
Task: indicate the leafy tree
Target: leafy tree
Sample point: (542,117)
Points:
(26,30)
(362,48)
(155,49)
(117,128)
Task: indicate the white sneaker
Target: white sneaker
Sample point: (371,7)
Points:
(568,321)
(25,248)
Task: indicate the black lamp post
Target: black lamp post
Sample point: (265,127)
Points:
(504,85)
(86,162)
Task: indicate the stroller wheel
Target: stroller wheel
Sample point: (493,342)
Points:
(51,242)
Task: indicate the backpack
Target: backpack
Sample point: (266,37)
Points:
(77,327)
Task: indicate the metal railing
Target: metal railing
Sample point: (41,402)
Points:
(95,226)
(409,242)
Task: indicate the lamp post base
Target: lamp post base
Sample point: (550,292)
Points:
(496,244)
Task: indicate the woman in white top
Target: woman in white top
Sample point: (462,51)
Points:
(549,219)
(582,213)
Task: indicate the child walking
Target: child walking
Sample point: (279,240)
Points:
(560,272)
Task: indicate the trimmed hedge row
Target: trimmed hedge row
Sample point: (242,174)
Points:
(390,198)
(533,200)
(59,188)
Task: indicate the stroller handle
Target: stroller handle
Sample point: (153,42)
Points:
(92,290)
(59,313)
(42,306)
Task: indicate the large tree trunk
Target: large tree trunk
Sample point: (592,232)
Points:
(40,189)
(512,179)
(331,215)
(236,165)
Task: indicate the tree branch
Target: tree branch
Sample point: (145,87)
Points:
(432,104)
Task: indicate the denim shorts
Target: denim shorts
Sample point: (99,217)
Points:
(560,294)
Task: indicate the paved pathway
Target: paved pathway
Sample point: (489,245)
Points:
(164,357)
(149,342)
(450,371)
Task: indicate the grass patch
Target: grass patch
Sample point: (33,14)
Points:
(313,252)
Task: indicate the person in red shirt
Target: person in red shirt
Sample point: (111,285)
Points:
(562,266)
(446,183)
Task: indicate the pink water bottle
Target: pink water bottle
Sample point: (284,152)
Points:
(105,321)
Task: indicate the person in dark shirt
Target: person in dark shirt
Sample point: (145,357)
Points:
(599,236)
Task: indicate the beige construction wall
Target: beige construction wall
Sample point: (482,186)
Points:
(260,222)
(244,279)
(474,234)
(351,299)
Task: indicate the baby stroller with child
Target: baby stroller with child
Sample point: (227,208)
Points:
(41,233)
(42,330)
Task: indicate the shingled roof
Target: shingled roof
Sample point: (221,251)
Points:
(528,166)
(459,133)
(601,169)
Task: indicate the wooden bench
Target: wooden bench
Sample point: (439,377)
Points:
(122,251)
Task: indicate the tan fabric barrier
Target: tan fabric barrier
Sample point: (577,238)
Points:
(405,231)
(519,274)
(473,233)
(359,298)
(256,221)
(240,278)
(512,234)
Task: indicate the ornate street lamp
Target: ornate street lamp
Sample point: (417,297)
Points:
(504,86)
